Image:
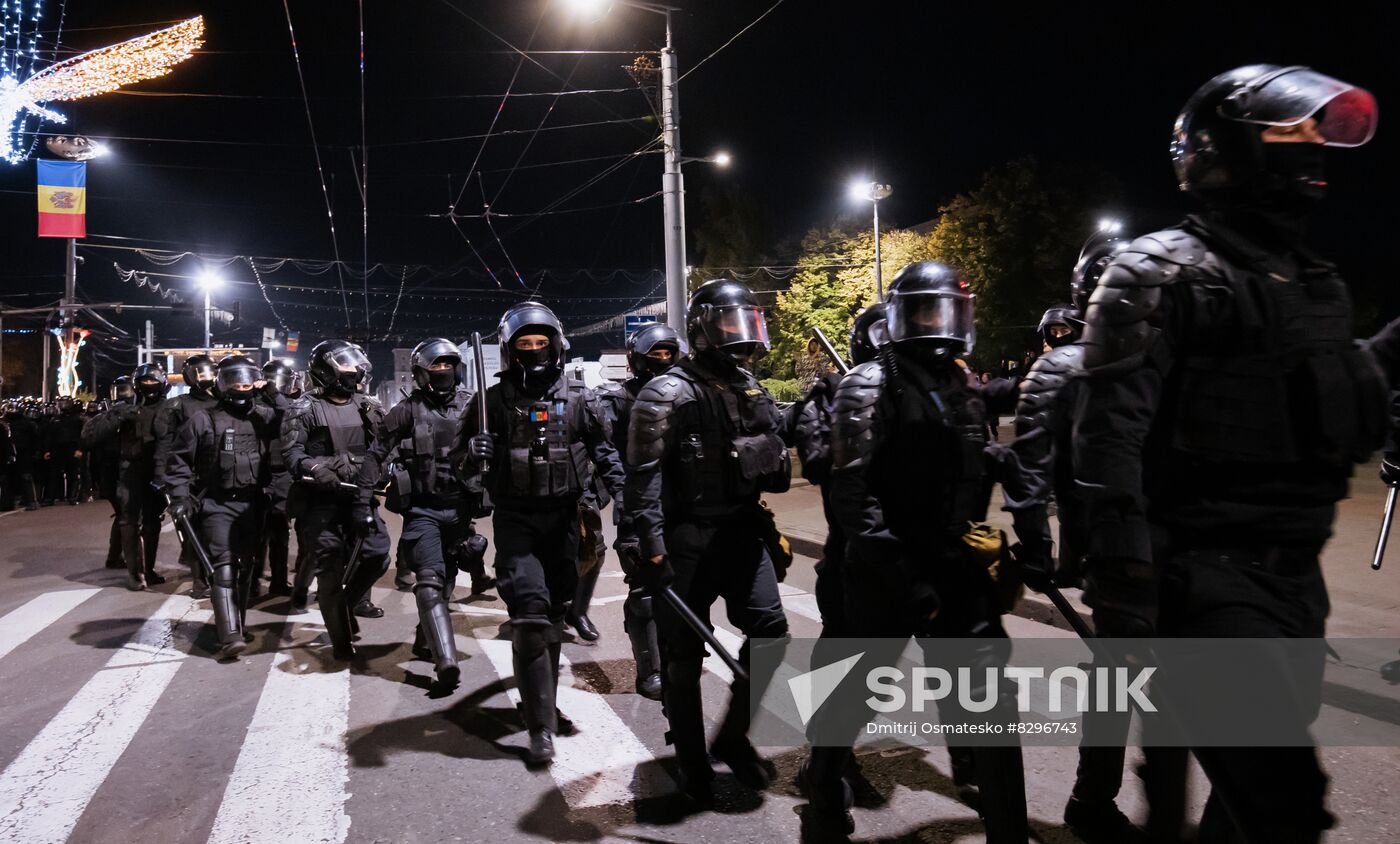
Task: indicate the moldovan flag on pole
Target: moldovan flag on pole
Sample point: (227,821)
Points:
(62,198)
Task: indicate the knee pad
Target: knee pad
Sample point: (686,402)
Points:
(637,607)
(530,637)
(224,577)
(428,579)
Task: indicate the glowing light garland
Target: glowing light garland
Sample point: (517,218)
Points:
(90,74)
(70,340)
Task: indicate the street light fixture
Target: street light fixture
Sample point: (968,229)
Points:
(862,190)
(672,184)
(209,281)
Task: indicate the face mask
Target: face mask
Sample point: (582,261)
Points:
(927,352)
(237,399)
(149,391)
(534,360)
(443,382)
(1297,170)
(345,385)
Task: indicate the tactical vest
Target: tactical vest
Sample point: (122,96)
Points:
(342,429)
(138,438)
(937,435)
(234,461)
(425,452)
(1291,386)
(542,458)
(729,450)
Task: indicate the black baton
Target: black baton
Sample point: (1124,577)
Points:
(704,632)
(187,533)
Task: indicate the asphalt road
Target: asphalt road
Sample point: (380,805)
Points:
(116,725)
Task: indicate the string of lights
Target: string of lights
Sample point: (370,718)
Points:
(262,288)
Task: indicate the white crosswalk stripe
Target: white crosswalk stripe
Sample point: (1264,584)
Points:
(45,790)
(20,624)
(289,784)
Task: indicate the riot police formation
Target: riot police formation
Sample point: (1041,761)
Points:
(217,473)
(425,430)
(1045,416)
(651,352)
(105,459)
(64,450)
(910,572)
(199,373)
(1224,406)
(544,430)
(280,387)
(704,442)
(20,486)
(139,503)
(325,437)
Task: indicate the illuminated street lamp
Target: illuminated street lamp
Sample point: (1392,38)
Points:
(861,190)
(208,281)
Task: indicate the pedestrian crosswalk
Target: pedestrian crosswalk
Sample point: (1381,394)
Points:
(292,778)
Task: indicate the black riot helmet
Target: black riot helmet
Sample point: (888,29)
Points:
(1216,146)
(1094,257)
(122,390)
(339,367)
(235,381)
(724,316)
(538,365)
(647,339)
(441,382)
(1060,326)
(868,333)
(931,308)
(199,373)
(282,377)
(150,382)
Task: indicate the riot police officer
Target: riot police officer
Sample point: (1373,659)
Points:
(325,437)
(106,464)
(281,386)
(218,468)
(65,452)
(198,373)
(1045,416)
(545,428)
(651,351)
(139,503)
(1224,407)
(426,431)
(912,413)
(705,441)
(24,442)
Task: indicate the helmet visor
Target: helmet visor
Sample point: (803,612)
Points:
(234,378)
(731,326)
(932,315)
(203,373)
(350,359)
(1346,115)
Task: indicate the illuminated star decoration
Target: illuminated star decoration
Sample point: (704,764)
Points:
(97,72)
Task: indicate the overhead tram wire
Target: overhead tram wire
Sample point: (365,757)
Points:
(732,39)
(320,172)
(364,164)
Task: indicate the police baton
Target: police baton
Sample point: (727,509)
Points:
(703,631)
(1385,528)
(1068,611)
(187,533)
(354,564)
(479,366)
(836,359)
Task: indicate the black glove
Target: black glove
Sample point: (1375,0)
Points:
(361,518)
(1390,468)
(629,553)
(180,508)
(1037,563)
(323,475)
(922,604)
(481,447)
(655,577)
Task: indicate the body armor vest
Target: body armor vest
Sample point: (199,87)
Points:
(1292,386)
(235,460)
(543,461)
(729,450)
(342,430)
(426,450)
(937,430)
(138,438)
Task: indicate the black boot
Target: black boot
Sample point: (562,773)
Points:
(436,625)
(301,587)
(566,726)
(134,559)
(686,716)
(367,609)
(828,794)
(732,746)
(1101,822)
(420,648)
(641,630)
(336,614)
(583,598)
(1001,788)
(535,680)
(227,617)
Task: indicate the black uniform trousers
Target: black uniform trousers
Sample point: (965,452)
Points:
(139,509)
(1273,794)
(229,528)
(429,540)
(536,560)
(325,534)
(724,558)
(65,473)
(277,530)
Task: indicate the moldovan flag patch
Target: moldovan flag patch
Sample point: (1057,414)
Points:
(62,198)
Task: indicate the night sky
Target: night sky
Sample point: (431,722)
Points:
(925,96)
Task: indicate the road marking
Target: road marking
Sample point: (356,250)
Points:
(600,765)
(289,783)
(45,790)
(799,601)
(10,513)
(18,625)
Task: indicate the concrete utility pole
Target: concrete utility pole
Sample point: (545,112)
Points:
(672,188)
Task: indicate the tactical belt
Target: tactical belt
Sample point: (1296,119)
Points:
(1276,559)
(250,493)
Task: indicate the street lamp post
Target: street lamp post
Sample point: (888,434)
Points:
(873,192)
(209,281)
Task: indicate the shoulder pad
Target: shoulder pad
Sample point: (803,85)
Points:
(1044,384)
(651,417)
(1174,246)
(1117,322)
(853,422)
(608,390)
